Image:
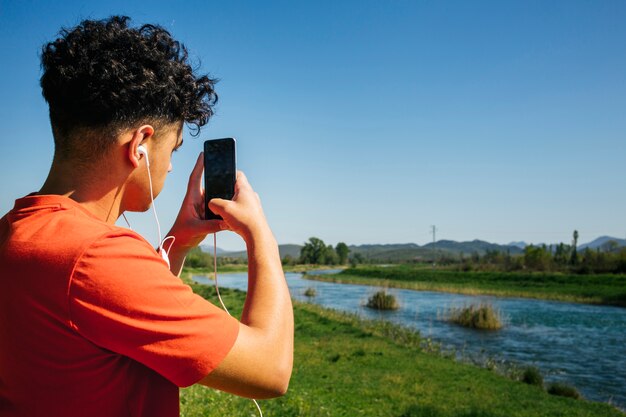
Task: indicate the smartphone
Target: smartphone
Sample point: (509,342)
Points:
(220,172)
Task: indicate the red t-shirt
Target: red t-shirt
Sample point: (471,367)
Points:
(92,322)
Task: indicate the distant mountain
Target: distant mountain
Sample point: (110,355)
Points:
(520,244)
(289,249)
(283,250)
(391,252)
(412,251)
(601,242)
(209,249)
(475,246)
(402,252)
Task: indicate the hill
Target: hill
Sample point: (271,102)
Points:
(284,250)
(414,252)
(475,246)
(403,252)
(602,243)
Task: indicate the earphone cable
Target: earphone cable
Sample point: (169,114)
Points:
(217,290)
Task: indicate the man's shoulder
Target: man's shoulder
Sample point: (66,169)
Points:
(58,231)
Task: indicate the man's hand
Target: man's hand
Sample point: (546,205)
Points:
(260,362)
(190,228)
(244,214)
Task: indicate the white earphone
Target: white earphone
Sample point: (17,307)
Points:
(141,150)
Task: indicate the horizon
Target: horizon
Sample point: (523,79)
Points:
(207,244)
(368,121)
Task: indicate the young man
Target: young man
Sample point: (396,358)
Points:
(92,320)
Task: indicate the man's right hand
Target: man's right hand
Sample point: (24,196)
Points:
(243,214)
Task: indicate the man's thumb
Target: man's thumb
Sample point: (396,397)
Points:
(218,205)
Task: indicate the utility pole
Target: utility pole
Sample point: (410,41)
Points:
(433,230)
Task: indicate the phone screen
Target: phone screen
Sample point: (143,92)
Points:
(220,172)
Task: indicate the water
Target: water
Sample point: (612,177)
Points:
(582,345)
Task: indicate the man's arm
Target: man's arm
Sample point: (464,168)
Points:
(259,364)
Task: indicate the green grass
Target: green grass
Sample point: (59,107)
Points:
(347,366)
(563,390)
(532,376)
(594,289)
(481,316)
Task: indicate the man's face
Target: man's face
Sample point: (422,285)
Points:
(161,153)
(160,149)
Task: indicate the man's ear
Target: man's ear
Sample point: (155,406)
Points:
(140,136)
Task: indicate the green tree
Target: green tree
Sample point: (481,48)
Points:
(537,258)
(288,260)
(356,259)
(196,258)
(330,256)
(562,254)
(574,259)
(342,252)
(313,252)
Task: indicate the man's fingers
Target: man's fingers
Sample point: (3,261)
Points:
(195,178)
(212,226)
(242,181)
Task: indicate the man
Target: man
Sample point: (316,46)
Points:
(92,321)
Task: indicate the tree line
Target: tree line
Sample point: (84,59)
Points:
(316,252)
(197,258)
(608,258)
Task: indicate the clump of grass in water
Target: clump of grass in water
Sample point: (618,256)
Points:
(482,316)
(532,376)
(310,292)
(381,300)
(563,390)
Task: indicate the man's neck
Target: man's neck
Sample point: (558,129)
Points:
(96,190)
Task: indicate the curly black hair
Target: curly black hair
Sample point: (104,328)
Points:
(105,75)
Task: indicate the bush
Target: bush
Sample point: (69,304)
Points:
(532,376)
(310,292)
(563,390)
(482,316)
(381,300)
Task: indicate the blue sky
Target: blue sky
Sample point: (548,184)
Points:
(369,121)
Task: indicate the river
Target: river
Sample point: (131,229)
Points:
(581,345)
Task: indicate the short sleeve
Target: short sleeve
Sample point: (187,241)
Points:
(122,297)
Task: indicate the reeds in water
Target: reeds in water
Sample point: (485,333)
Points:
(481,316)
(382,300)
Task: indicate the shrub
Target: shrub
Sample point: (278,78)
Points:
(381,300)
(563,390)
(310,292)
(482,316)
(532,376)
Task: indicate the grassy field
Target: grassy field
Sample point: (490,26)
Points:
(345,366)
(593,289)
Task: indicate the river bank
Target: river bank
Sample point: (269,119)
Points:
(589,289)
(346,366)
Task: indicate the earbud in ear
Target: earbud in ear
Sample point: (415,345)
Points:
(141,150)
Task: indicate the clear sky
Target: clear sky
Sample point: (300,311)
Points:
(369,121)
